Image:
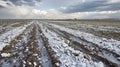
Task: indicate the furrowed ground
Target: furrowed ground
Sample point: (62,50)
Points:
(59,44)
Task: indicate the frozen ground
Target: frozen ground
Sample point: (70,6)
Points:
(43,44)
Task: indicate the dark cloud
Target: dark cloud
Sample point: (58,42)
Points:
(7,4)
(1,6)
(100,5)
(24,2)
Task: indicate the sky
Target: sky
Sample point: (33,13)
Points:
(59,9)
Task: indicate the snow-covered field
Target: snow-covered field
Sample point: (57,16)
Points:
(44,44)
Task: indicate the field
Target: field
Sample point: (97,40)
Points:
(59,43)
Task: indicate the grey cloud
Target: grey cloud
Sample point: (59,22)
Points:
(4,14)
(24,2)
(100,5)
(1,6)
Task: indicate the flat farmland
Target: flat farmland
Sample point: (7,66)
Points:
(48,43)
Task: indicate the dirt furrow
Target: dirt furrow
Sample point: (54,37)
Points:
(23,50)
(58,48)
(6,28)
(89,48)
(34,48)
(53,58)
(45,57)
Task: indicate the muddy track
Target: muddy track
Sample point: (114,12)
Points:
(97,54)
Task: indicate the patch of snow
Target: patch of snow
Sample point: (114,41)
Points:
(14,61)
(57,64)
(35,54)
(5,54)
(109,44)
(95,27)
(24,62)
(99,65)
(35,64)
(45,59)
(29,63)
(10,35)
(65,54)
(118,58)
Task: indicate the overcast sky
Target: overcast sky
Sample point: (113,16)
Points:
(59,9)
